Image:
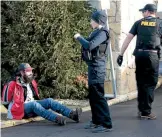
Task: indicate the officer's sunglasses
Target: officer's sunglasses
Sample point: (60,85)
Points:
(143,11)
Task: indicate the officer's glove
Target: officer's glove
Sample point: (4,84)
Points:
(120,60)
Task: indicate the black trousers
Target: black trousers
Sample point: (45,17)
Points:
(99,106)
(147,67)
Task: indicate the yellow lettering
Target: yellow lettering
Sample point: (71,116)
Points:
(142,23)
(152,23)
(145,23)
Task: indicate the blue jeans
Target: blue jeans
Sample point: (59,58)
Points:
(40,108)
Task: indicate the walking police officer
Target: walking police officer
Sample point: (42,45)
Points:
(147,55)
(94,53)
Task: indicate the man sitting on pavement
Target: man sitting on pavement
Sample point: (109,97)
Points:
(22,96)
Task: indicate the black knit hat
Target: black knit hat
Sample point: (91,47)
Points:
(99,17)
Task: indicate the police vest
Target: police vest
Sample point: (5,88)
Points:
(147,34)
(99,51)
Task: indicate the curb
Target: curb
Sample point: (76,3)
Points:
(118,99)
(11,123)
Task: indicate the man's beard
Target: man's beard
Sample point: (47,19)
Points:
(28,79)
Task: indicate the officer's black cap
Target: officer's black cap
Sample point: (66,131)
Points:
(149,7)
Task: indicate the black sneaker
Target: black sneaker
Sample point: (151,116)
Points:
(150,116)
(60,120)
(75,115)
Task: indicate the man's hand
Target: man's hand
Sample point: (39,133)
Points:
(76,35)
(120,60)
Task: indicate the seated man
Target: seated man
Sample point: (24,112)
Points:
(21,95)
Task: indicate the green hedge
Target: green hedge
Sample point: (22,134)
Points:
(41,33)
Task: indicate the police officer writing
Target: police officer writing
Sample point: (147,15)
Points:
(147,55)
(94,54)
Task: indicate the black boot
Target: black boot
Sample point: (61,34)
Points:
(75,115)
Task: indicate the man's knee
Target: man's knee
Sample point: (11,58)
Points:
(52,101)
(35,105)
